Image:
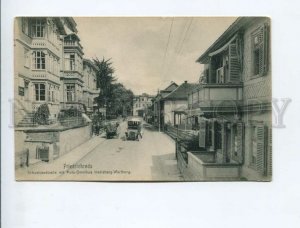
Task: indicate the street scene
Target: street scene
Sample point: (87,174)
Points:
(117,159)
(142,99)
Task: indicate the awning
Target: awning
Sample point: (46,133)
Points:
(224,47)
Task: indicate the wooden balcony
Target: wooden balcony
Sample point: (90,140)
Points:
(225,97)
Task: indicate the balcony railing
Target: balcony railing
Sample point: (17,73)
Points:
(72,43)
(44,43)
(44,75)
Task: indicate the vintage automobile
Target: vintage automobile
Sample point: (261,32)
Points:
(134,129)
(112,130)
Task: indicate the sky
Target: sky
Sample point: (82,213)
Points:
(150,52)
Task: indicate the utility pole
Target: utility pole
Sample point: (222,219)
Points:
(159,116)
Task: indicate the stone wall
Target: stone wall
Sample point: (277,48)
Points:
(67,137)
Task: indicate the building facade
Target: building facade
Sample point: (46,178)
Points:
(49,69)
(231,107)
(158,105)
(90,90)
(141,103)
(175,104)
(72,71)
(38,60)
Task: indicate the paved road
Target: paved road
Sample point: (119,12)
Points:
(150,159)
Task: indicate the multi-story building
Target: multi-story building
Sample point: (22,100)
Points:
(90,90)
(72,71)
(231,107)
(158,105)
(38,60)
(141,104)
(49,68)
(175,104)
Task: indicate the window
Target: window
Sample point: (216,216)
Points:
(40,92)
(260,51)
(21,91)
(69,61)
(218,135)
(261,149)
(51,93)
(25,26)
(38,27)
(70,92)
(39,60)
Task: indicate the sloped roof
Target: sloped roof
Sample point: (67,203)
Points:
(181,92)
(235,27)
(169,88)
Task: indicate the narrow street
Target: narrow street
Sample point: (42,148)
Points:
(152,158)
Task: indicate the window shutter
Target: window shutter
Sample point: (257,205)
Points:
(263,48)
(234,65)
(202,133)
(260,159)
(269,156)
(266,49)
(240,140)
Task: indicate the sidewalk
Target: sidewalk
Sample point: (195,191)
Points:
(51,171)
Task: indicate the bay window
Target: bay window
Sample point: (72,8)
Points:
(39,60)
(70,92)
(40,91)
(69,61)
(38,26)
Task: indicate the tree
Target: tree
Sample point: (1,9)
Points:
(113,95)
(105,79)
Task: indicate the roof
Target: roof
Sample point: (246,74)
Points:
(238,25)
(170,87)
(181,92)
(90,63)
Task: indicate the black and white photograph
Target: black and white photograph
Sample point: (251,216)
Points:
(142,98)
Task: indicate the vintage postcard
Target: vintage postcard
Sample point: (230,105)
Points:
(142,99)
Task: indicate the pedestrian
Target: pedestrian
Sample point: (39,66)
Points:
(139,127)
(97,128)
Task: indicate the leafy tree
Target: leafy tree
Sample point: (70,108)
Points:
(113,95)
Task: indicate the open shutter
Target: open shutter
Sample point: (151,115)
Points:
(234,64)
(266,49)
(202,133)
(260,157)
(262,39)
(269,155)
(240,140)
